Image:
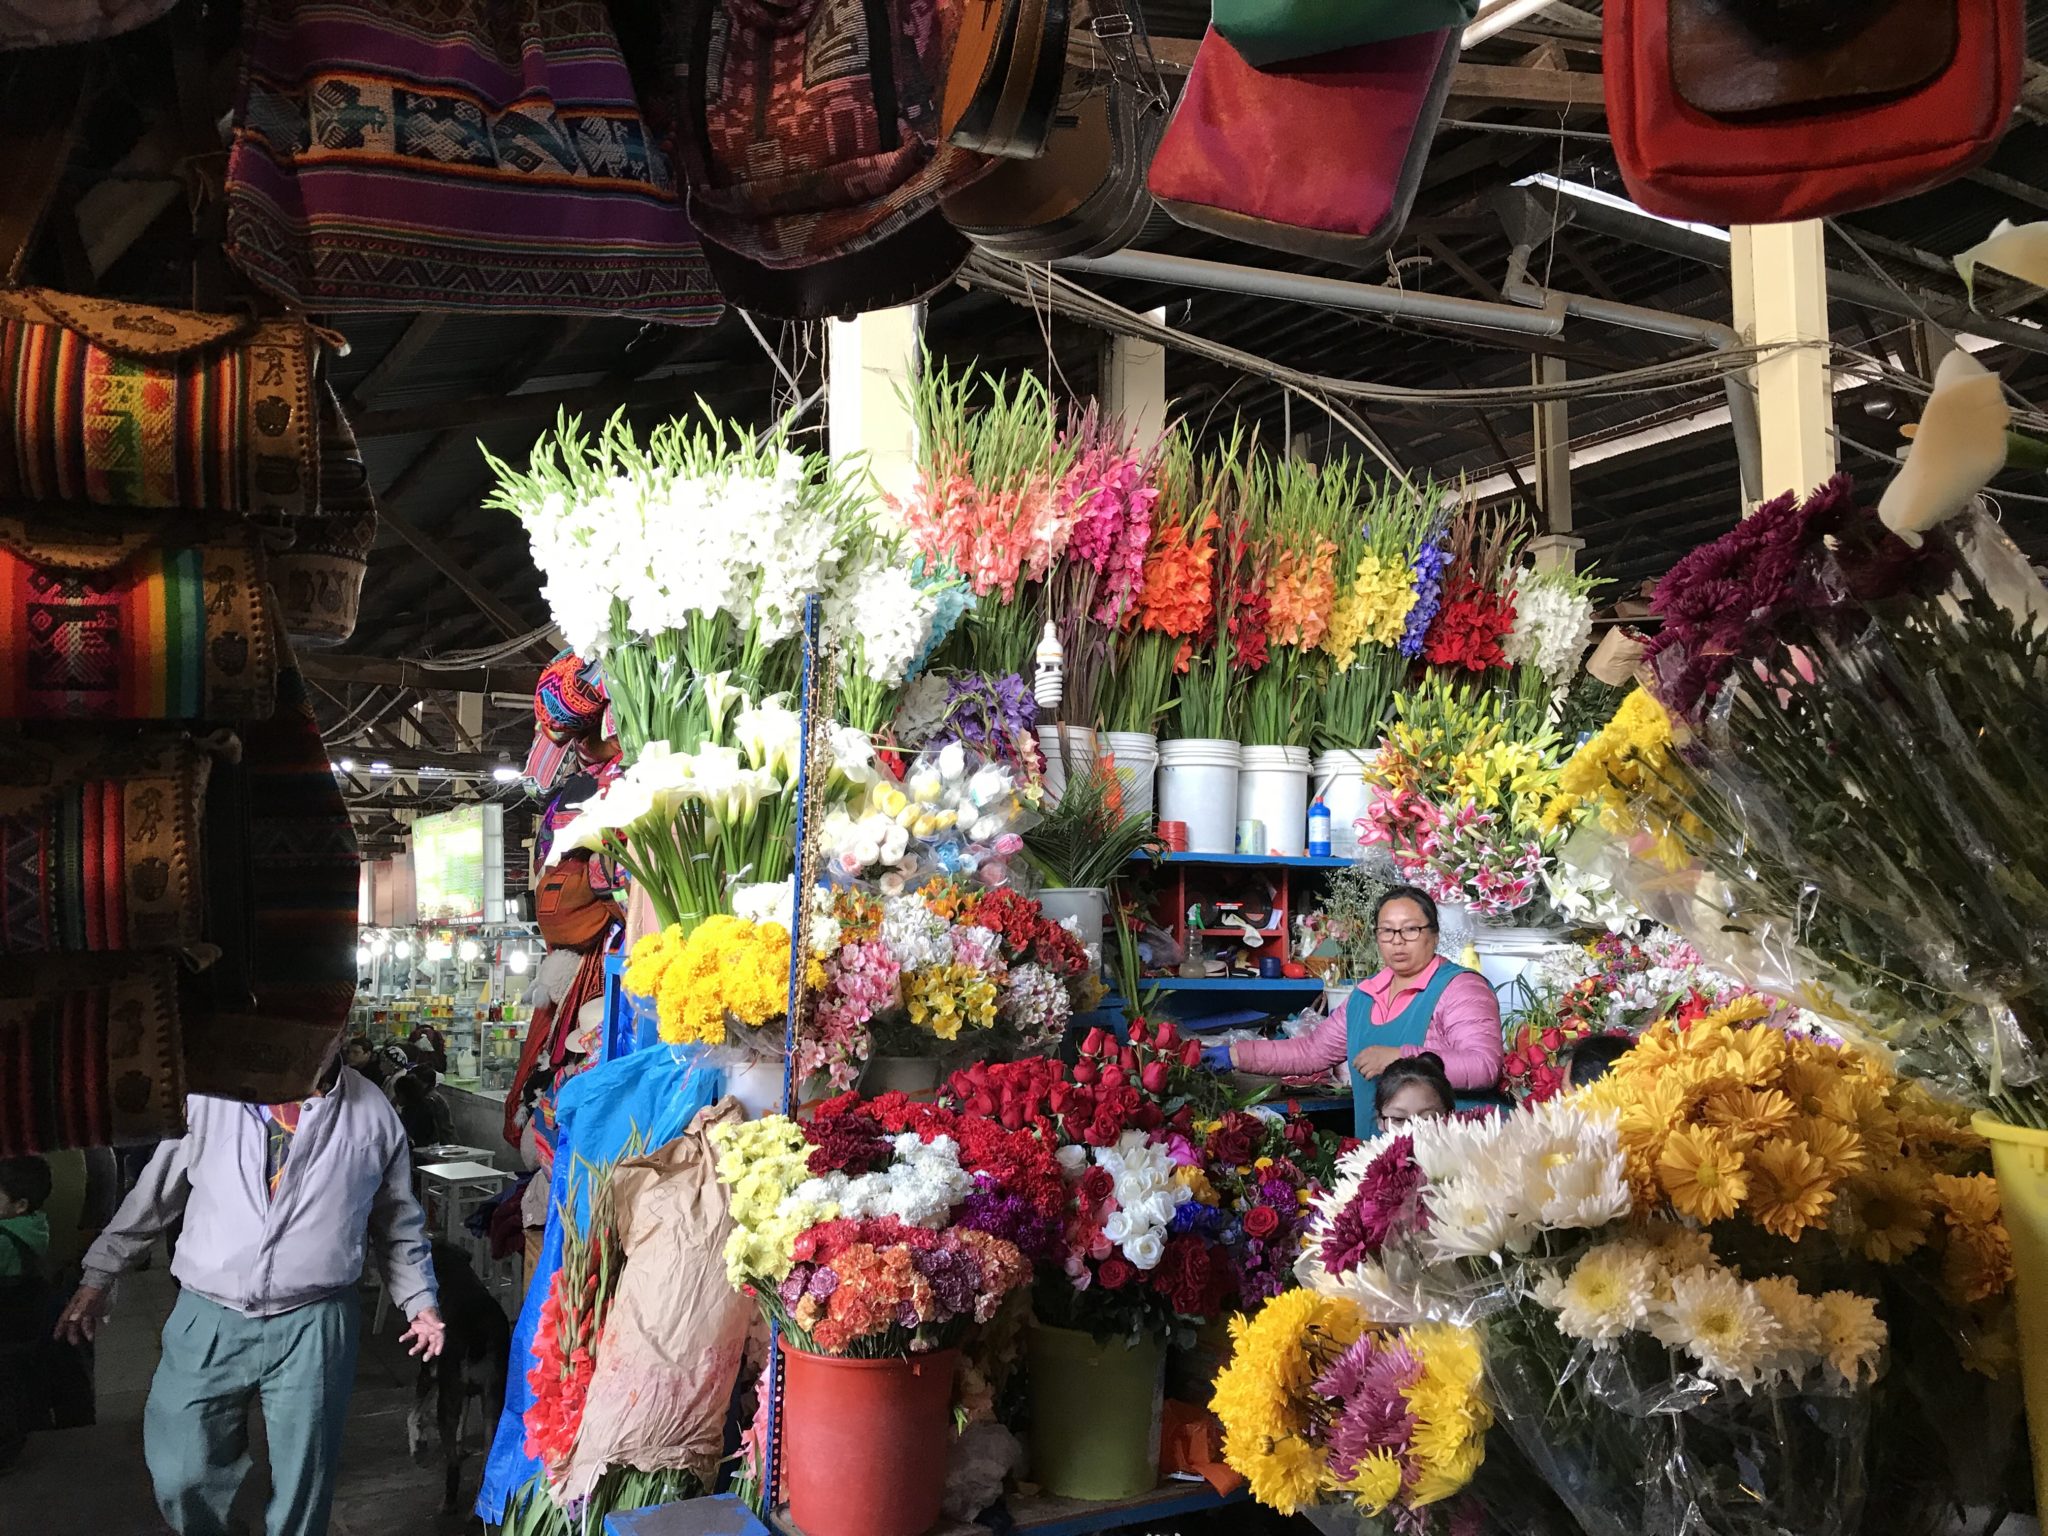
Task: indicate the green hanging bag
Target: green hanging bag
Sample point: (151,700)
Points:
(1266,32)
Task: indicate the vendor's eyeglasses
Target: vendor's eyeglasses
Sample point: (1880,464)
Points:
(1402,935)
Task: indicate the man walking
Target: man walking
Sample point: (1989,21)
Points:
(277,1200)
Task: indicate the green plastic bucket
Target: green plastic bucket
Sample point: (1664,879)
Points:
(1095,1411)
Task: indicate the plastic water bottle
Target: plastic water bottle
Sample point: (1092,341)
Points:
(1319,830)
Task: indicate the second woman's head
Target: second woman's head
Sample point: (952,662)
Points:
(1413,1088)
(1404,926)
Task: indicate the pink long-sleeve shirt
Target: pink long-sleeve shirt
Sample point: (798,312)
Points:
(1464,1031)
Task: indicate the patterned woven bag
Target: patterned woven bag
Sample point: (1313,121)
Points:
(400,155)
(122,616)
(810,128)
(89,1052)
(127,405)
(318,576)
(99,843)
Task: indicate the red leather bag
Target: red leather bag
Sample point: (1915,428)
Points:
(1765,111)
(1321,157)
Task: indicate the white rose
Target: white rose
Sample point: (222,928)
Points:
(1145,1250)
(1073,1161)
(1120,1227)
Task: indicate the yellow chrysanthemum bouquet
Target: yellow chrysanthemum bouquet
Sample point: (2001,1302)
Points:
(1319,1408)
(704,979)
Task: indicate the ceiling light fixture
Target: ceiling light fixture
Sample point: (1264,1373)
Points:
(1501,15)
(1588,194)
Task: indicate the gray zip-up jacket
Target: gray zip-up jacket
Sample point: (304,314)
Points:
(348,1175)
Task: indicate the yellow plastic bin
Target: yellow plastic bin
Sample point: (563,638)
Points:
(2019,1156)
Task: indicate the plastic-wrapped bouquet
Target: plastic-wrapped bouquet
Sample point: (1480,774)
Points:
(1657,1385)
(1320,1407)
(860,1241)
(954,961)
(953,813)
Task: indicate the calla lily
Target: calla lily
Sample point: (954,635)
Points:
(1960,445)
(583,835)
(2018,249)
(719,698)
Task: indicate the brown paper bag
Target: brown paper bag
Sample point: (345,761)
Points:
(676,1332)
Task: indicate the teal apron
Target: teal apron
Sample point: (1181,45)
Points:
(1406,1028)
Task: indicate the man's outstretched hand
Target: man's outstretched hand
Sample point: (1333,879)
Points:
(427,1334)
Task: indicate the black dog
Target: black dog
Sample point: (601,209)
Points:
(473,1363)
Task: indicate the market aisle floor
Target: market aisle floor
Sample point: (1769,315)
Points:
(91,1482)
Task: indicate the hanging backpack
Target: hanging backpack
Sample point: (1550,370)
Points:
(1086,195)
(1764,111)
(810,129)
(1237,159)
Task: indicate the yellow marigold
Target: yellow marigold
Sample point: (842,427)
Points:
(1701,1170)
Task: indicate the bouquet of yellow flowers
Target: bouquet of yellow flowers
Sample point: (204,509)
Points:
(701,979)
(1317,1407)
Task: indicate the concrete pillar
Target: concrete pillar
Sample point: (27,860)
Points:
(1134,386)
(870,365)
(1780,292)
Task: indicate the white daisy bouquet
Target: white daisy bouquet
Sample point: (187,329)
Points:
(1656,1388)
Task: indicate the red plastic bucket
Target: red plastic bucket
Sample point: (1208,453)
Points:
(865,1442)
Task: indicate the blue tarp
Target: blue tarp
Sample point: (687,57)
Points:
(656,1092)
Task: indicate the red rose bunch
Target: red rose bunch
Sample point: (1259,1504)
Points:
(1469,628)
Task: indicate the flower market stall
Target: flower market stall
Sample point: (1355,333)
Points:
(975,1179)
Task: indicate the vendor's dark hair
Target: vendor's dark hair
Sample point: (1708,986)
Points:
(1424,1067)
(1589,1060)
(1421,898)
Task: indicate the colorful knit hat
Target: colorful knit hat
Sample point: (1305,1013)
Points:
(570,700)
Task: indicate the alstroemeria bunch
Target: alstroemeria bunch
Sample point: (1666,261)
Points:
(691,826)
(1319,1407)
(683,559)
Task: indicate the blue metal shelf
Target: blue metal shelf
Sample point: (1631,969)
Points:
(1234,984)
(1248,860)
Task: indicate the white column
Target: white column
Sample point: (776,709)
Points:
(1553,469)
(870,364)
(1781,295)
(1134,386)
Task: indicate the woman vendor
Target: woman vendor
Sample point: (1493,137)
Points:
(1418,1002)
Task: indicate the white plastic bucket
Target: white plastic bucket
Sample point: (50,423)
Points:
(1339,782)
(1507,954)
(1088,906)
(1065,746)
(1137,760)
(1198,786)
(1272,787)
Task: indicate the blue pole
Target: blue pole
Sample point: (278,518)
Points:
(770,1457)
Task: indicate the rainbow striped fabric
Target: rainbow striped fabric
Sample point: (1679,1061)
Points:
(156,633)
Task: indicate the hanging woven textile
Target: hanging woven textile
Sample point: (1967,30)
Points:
(454,154)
